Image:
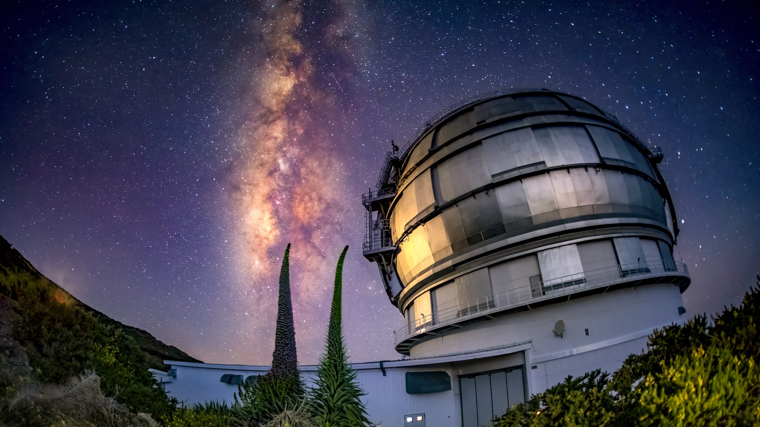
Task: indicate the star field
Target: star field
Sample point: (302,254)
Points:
(156,157)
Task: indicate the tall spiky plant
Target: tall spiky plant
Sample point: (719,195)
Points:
(284,358)
(336,398)
(280,388)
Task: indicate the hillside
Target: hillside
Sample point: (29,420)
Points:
(49,340)
(155,351)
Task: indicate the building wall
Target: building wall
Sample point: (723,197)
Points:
(386,400)
(618,323)
(607,316)
(199,384)
(608,359)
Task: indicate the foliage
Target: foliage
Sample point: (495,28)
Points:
(195,418)
(261,401)
(336,398)
(706,388)
(576,402)
(280,388)
(80,402)
(297,414)
(63,341)
(697,374)
(212,414)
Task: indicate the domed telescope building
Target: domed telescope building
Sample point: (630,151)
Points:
(524,236)
(526,218)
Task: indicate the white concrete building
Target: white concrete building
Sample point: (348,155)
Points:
(524,236)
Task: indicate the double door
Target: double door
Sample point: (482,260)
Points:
(487,395)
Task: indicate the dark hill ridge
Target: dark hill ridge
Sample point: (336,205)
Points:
(155,350)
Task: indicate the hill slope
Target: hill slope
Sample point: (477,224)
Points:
(155,351)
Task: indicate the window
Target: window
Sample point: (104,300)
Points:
(427,382)
(231,379)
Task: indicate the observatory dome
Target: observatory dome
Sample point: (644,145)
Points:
(516,200)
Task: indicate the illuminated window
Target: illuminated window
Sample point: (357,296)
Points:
(409,419)
(419,417)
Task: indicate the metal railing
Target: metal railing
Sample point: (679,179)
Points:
(366,197)
(378,235)
(452,312)
(385,172)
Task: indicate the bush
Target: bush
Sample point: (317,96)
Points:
(696,374)
(62,341)
(707,388)
(262,400)
(79,403)
(297,415)
(197,418)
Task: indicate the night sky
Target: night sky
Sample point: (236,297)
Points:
(156,157)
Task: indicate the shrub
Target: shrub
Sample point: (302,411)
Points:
(706,388)
(80,402)
(296,415)
(62,341)
(696,374)
(196,418)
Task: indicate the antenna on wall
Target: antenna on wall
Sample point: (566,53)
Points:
(559,328)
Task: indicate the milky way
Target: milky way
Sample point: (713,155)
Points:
(157,157)
(288,181)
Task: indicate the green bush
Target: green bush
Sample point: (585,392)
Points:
(80,402)
(64,341)
(196,418)
(697,374)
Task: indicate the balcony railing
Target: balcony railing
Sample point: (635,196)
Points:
(452,312)
(366,197)
(378,235)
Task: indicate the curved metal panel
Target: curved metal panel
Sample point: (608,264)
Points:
(440,246)
(452,223)
(423,191)
(540,194)
(559,263)
(619,151)
(462,173)
(455,127)
(579,105)
(478,215)
(511,150)
(445,299)
(417,196)
(496,109)
(564,190)
(530,103)
(417,251)
(421,150)
(473,286)
(565,145)
(513,277)
(513,202)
